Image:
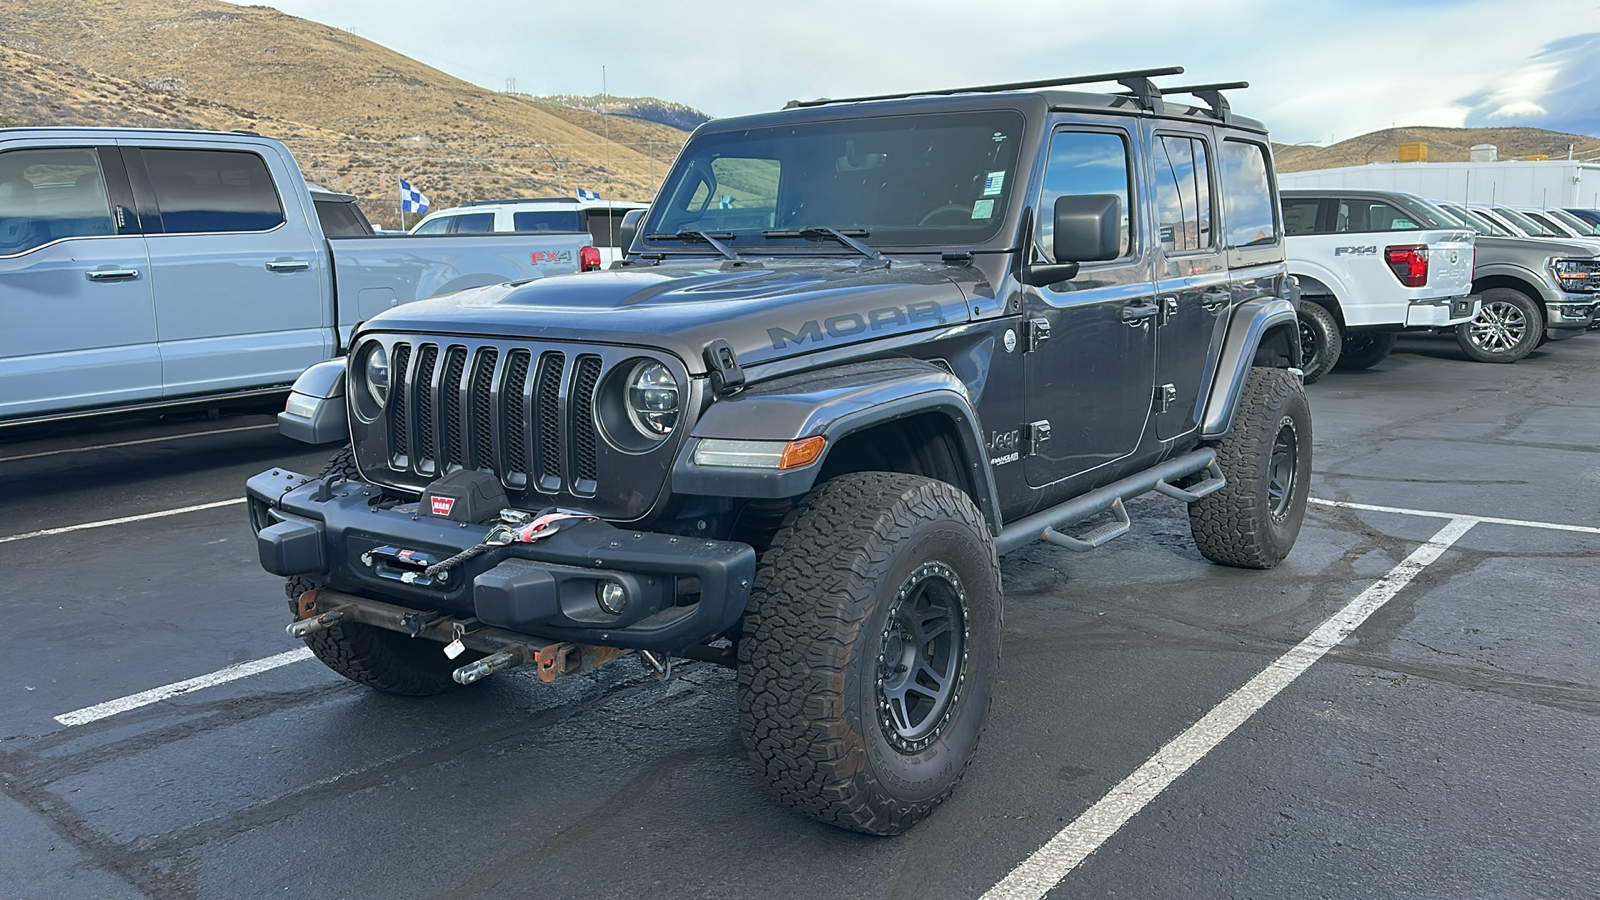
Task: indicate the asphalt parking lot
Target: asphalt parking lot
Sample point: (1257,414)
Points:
(1408,707)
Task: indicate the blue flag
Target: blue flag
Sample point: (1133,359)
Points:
(411,199)
(588,195)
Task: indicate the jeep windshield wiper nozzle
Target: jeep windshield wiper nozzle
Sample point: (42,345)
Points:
(845,236)
(714,238)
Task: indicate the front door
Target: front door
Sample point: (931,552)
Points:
(1090,342)
(79,325)
(1192,285)
(238,278)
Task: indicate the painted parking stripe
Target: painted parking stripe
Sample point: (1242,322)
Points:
(154,440)
(122,521)
(1485,520)
(155,695)
(1040,873)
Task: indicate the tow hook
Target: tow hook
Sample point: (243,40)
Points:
(489,665)
(307,627)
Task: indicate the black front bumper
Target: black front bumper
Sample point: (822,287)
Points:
(680,590)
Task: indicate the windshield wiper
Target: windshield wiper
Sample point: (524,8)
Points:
(845,236)
(714,238)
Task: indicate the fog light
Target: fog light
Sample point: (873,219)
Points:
(611,597)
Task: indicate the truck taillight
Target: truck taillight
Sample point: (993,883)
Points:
(1409,263)
(589,259)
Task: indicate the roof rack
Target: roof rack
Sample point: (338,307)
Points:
(1210,94)
(521,200)
(1137,81)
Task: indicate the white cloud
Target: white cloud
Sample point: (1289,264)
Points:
(1317,68)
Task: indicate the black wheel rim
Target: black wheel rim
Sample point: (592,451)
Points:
(922,657)
(1498,327)
(1309,345)
(1359,343)
(1281,469)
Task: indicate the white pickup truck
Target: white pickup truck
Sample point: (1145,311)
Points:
(147,269)
(1371,264)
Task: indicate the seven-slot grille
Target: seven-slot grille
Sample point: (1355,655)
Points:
(527,414)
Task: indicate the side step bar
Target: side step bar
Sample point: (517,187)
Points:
(1043,526)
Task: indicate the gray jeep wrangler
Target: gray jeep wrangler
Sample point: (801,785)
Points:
(861,348)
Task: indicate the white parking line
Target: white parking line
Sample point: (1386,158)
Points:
(1048,865)
(1486,520)
(156,695)
(122,521)
(154,440)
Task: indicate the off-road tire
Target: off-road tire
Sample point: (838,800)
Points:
(812,703)
(1364,349)
(1320,340)
(1508,326)
(1252,522)
(376,657)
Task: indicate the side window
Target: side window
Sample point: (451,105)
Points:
(1247,194)
(1300,216)
(1372,215)
(603,224)
(475,223)
(440,225)
(47,195)
(341,219)
(1183,194)
(539,221)
(211,191)
(1083,162)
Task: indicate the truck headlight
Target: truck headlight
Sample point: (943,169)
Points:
(375,373)
(653,401)
(1577,275)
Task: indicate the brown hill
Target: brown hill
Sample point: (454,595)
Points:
(357,115)
(1444,145)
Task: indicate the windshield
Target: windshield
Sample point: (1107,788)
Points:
(1578,224)
(1525,223)
(1479,223)
(895,180)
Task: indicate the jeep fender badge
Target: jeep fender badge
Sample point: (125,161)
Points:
(1011,339)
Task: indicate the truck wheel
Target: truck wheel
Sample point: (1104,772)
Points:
(1508,326)
(1253,521)
(870,649)
(1319,340)
(342,462)
(1364,349)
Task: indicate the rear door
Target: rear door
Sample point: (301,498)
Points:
(238,272)
(77,319)
(1191,275)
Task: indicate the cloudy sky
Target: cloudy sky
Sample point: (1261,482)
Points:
(1319,69)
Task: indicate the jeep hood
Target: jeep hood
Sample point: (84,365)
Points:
(766,311)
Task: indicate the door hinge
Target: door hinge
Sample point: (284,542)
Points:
(1166,395)
(1036,332)
(727,376)
(1035,437)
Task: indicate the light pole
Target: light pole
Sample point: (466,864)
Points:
(560,185)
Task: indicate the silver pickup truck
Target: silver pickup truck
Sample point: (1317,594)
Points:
(152,269)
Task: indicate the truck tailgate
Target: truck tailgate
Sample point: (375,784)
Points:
(372,274)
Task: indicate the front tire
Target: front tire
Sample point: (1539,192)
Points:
(1253,520)
(1508,326)
(1320,341)
(1364,349)
(871,645)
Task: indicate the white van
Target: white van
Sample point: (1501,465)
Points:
(602,219)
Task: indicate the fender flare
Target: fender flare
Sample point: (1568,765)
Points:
(316,411)
(1252,321)
(833,403)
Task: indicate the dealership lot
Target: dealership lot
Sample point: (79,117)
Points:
(1447,746)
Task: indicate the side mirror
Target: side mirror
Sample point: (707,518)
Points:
(629,228)
(1085,228)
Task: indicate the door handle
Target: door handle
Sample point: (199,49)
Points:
(1211,301)
(289,265)
(110,274)
(1139,314)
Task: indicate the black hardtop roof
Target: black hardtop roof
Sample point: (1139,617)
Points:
(1143,98)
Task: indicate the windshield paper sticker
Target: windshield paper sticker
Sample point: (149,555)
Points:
(982,209)
(992,183)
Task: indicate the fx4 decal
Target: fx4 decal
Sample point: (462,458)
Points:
(541,257)
(850,324)
(1355,251)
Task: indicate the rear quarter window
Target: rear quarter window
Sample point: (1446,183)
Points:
(1247,189)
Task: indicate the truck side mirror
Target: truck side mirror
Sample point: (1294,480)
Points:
(1088,228)
(629,228)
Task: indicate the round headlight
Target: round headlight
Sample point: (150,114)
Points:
(375,372)
(653,402)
